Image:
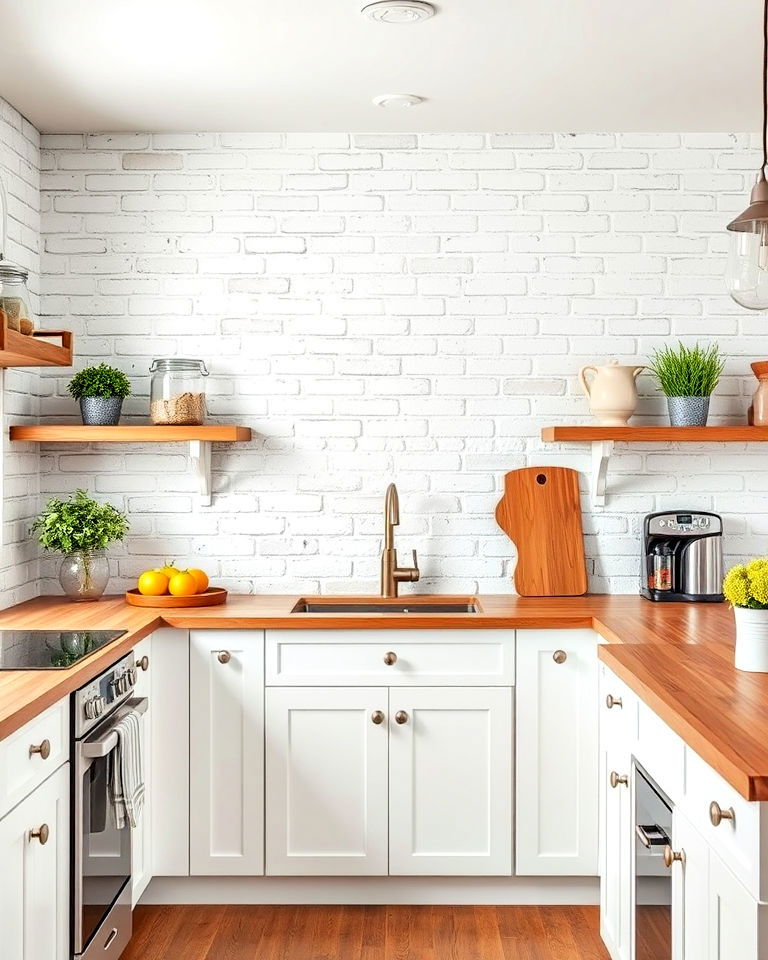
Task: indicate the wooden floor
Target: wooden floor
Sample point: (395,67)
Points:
(365,933)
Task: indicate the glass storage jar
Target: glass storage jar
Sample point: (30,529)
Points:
(177,393)
(14,298)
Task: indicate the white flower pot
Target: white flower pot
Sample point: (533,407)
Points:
(751,639)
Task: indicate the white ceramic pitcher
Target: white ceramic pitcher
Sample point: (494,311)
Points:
(612,392)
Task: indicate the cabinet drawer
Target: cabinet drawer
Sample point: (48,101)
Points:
(390,657)
(22,768)
(740,841)
(618,712)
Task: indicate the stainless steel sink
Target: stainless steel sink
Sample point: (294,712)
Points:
(404,605)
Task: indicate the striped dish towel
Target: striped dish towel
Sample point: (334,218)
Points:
(126,772)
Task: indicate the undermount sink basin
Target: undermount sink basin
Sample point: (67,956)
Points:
(403,605)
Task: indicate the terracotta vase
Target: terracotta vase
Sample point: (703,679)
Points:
(612,392)
(758,410)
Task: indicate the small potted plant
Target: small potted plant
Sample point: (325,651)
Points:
(746,589)
(688,377)
(101,391)
(81,529)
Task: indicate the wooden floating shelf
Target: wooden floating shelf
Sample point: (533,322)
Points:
(739,433)
(20,350)
(200,440)
(144,433)
(603,439)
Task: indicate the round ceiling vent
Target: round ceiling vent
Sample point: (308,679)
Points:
(398,100)
(398,11)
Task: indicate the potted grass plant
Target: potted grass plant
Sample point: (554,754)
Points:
(81,529)
(746,589)
(687,377)
(101,391)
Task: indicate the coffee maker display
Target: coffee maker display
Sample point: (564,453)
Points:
(683,557)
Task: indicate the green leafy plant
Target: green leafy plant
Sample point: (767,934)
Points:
(687,371)
(101,381)
(746,585)
(79,524)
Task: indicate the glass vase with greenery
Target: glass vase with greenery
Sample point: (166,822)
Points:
(81,528)
(687,376)
(101,391)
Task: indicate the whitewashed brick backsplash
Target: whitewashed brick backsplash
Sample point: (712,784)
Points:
(394,307)
(20,173)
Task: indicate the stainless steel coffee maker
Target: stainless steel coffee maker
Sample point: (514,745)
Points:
(683,557)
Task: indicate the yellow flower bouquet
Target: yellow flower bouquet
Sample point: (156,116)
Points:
(746,588)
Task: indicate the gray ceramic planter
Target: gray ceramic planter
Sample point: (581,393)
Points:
(688,411)
(101,411)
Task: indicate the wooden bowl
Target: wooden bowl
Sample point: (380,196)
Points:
(209,598)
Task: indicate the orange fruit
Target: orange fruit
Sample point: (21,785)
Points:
(201,578)
(169,570)
(182,584)
(153,583)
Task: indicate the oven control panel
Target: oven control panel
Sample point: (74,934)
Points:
(98,697)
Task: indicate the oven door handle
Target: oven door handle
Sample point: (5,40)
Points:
(93,749)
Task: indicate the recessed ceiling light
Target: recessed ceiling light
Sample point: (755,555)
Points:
(398,100)
(398,11)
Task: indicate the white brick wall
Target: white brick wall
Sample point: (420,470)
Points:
(20,172)
(396,307)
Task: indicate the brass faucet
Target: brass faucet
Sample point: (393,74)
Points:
(391,574)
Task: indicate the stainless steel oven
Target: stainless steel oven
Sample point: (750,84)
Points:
(652,818)
(101,855)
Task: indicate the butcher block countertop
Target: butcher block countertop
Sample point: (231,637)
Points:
(677,657)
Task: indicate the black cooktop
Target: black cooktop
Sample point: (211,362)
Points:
(50,649)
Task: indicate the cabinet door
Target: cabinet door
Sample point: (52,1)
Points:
(226,776)
(556,786)
(34,879)
(732,916)
(141,835)
(690,891)
(169,769)
(327,781)
(616,842)
(450,781)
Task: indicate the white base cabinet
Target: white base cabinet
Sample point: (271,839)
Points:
(450,781)
(327,781)
(556,784)
(141,835)
(34,875)
(226,774)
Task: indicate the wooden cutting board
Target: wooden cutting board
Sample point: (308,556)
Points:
(541,513)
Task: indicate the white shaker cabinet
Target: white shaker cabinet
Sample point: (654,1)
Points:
(34,874)
(737,923)
(141,835)
(690,891)
(616,870)
(557,753)
(326,811)
(450,781)
(226,775)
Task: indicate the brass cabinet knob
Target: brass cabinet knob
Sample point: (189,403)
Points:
(377,716)
(224,656)
(143,664)
(42,833)
(616,779)
(717,814)
(401,717)
(559,656)
(611,702)
(670,856)
(390,658)
(44,749)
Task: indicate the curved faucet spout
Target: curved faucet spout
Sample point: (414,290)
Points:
(391,515)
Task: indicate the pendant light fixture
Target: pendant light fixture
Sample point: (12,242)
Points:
(747,271)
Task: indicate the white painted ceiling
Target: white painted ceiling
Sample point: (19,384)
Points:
(314,65)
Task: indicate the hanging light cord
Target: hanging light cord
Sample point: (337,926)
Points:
(765,87)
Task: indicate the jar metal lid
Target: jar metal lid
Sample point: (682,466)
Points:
(12,271)
(164,364)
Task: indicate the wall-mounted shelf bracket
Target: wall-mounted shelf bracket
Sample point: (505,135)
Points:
(200,456)
(601,454)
